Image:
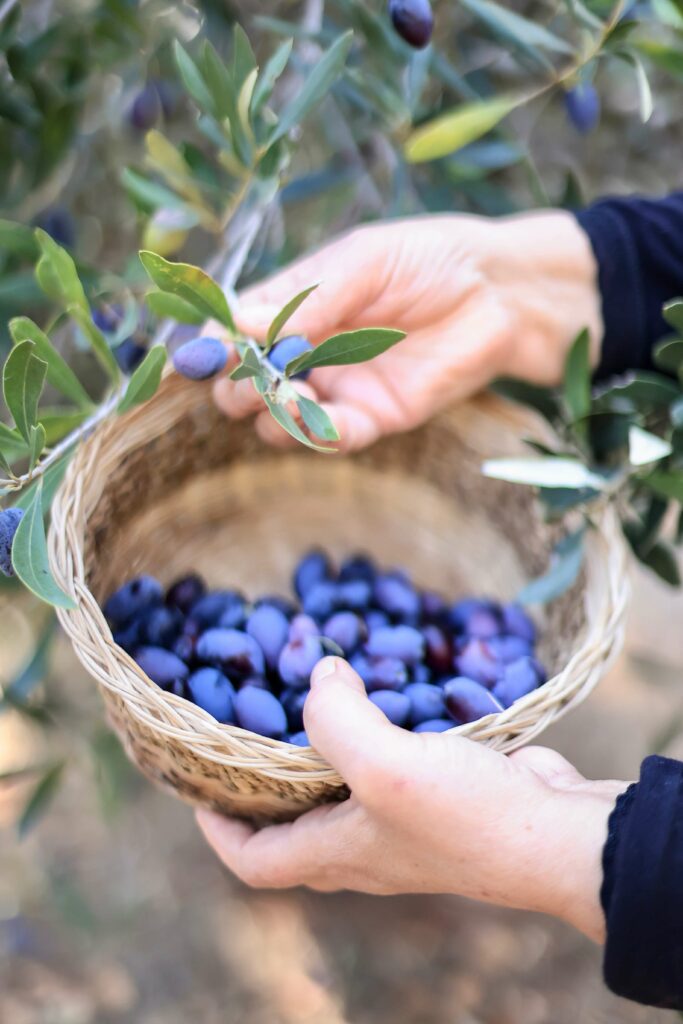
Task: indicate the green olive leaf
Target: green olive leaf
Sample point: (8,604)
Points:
(285,314)
(145,380)
(59,373)
(347,348)
(29,555)
(449,132)
(282,416)
(191,284)
(317,420)
(23,381)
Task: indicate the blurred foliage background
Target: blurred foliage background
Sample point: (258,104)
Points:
(112,910)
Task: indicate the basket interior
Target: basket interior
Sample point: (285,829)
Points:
(201,494)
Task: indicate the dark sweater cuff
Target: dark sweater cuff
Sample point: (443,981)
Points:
(642,891)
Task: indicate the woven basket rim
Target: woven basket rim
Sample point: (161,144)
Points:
(234,747)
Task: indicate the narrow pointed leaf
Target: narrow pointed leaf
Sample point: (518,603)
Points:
(281,415)
(645,100)
(98,342)
(520,33)
(270,74)
(36,444)
(164,304)
(249,367)
(59,373)
(317,420)
(41,798)
(317,85)
(577,377)
(286,313)
(243,59)
(449,132)
(150,195)
(669,485)
(668,355)
(244,102)
(543,473)
(191,284)
(145,380)
(29,555)
(23,381)
(193,79)
(63,271)
(644,447)
(345,349)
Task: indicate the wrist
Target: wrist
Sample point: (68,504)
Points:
(545,271)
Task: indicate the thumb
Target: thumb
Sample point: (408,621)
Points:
(344,726)
(548,765)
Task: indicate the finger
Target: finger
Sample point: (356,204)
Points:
(236,398)
(346,274)
(349,731)
(270,431)
(356,428)
(280,856)
(548,764)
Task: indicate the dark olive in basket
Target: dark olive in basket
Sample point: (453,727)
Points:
(210,608)
(132,599)
(508,648)
(426,702)
(184,647)
(404,642)
(485,623)
(185,592)
(301,626)
(438,647)
(467,700)
(293,701)
(287,607)
(397,597)
(9,521)
(375,619)
(347,630)
(475,660)
(297,660)
(270,629)
(423,674)
(396,706)
(300,739)
(314,567)
(519,678)
(354,595)
(413,20)
(386,674)
(162,666)
(236,653)
(200,358)
(434,607)
(360,663)
(161,626)
(261,712)
(461,611)
(212,691)
(357,567)
(518,623)
(321,600)
(287,349)
(130,636)
(435,725)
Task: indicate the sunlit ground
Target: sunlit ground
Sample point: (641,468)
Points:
(129,918)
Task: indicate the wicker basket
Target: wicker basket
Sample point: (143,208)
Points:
(172,487)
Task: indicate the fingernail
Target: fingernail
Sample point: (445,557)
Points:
(323,670)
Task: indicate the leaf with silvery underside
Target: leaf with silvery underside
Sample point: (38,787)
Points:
(59,373)
(274,67)
(645,100)
(164,304)
(673,314)
(282,416)
(243,59)
(528,37)
(285,314)
(29,555)
(62,271)
(316,86)
(97,341)
(23,381)
(449,132)
(345,349)
(317,420)
(41,798)
(566,562)
(543,400)
(249,367)
(224,93)
(549,472)
(668,355)
(191,284)
(645,448)
(148,194)
(145,380)
(577,378)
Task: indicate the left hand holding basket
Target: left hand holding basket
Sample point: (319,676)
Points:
(431,813)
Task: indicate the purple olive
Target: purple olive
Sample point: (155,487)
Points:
(236,653)
(346,630)
(134,597)
(386,674)
(270,628)
(519,678)
(287,349)
(396,706)
(183,593)
(298,659)
(212,691)
(434,725)
(413,20)
(9,522)
(476,661)
(467,700)
(426,702)
(260,711)
(200,358)
(404,642)
(162,667)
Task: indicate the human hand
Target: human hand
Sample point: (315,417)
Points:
(478,298)
(433,813)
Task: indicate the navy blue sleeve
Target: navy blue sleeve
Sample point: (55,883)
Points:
(642,890)
(638,246)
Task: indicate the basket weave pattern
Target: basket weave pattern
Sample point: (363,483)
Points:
(172,487)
